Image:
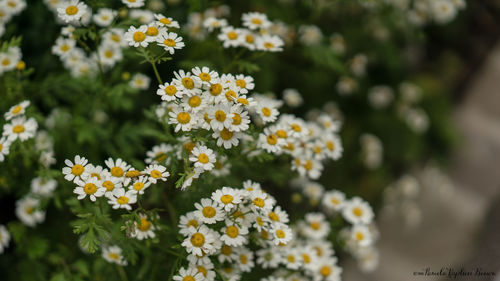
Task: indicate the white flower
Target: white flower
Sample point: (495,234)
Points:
(158,154)
(333,200)
(269,43)
(191,274)
(227,197)
(4,148)
(170,42)
(277,215)
(113,254)
(133,3)
(43,186)
(380,96)
(267,111)
(234,234)
(260,200)
(71,11)
(220,116)
(212,23)
(185,121)
(137,36)
(200,241)
(109,54)
(231,37)
(169,92)
(361,235)
(140,81)
(255,20)
(205,269)
(357,211)
(241,120)
(245,259)
(188,83)
(91,187)
(443,10)
(203,157)
(310,35)
(144,229)
(270,141)
(115,36)
(17,110)
(9,59)
(161,20)
(315,227)
(75,171)
(4,238)
(268,258)
(122,199)
(292,98)
(327,270)
(27,211)
(20,128)
(110,183)
(292,259)
(104,17)
(226,138)
(187,221)
(207,76)
(140,184)
(156,172)
(208,211)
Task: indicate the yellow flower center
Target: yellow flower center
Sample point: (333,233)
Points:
(256,21)
(317,149)
(183,117)
(225,134)
(18,129)
(139,36)
(71,10)
(202,270)
(281,134)
(230,95)
(117,172)
(144,225)
(220,115)
(208,212)
(272,139)
(306,258)
(77,169)
(266,111)
(198,239)
(193,223)
(203,158)
(357,212)
(269,45)
(259,221)
(188,83)
(232,231)
(325,271)
(259,202)
(189,146)
(169,42)
(296,128)
(170,90)
(152,31)
(330,145)
(29,210)
(226,250)
(241,83)
(280,234)
(243,101)
(226,199)
(236,119)
(90,188)
(359,236)
(243,259)
(194,101)
(156,174)
(308,165)
(122,200)
(188,278)
(113,256)
(249,39)
(231,35)
(115,38)
(290,258)
(273,216)
(6,62)
(21,65)
(165,21)
(95,175)
(17,109)
(160,157)
(108,54)
(132,174)
(264,234)
(215,89)
(315,225)
(108,185)
(205,76)
(138,186)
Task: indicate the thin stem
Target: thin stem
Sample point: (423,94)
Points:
(121,272)
(156,72)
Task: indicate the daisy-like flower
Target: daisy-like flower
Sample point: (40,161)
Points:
(205,269)
(158,154)
(230,37)
(161,20)
(269,43)
(268,258)
(91,187)
(203,157)
(270,141)
(187,221)
(227,197)
(241,120)
(327,270)
(109,54)
(333,200)
(137,36)
(234,234)
(361,235)
(110,183)
(260,200)
(227,138)
(220,116)
(333,146)
(212,23)
(200,241)
(104,17)
(189,84)
(208,211)
(118,167)
(144,229)
(140,81)
(244,83)
(115,36)
(315,226)
(20,128)
(245,259)
(121,199)
(255,20)
(156,172)
(310,167)
(292,259)
(133,3)
(267,111)
(277,215)
(169,92)
(141,184)
(282,234)
(292,98)
(10,59)
(75,171)
(71,11)
(17,110)
(357,211)
(43,187)
(184,120)
(4,238)
(170,42)
(113,254)
(194,103)
(190,274)
(207,76)
(4,148)
(227,254)
(27,211)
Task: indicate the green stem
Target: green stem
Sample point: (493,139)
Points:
(121,272)
(156,72)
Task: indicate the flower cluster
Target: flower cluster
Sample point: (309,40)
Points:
(120,183)
(224,226)
(424,11)
(10,59)
(8,9)
(18,127)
